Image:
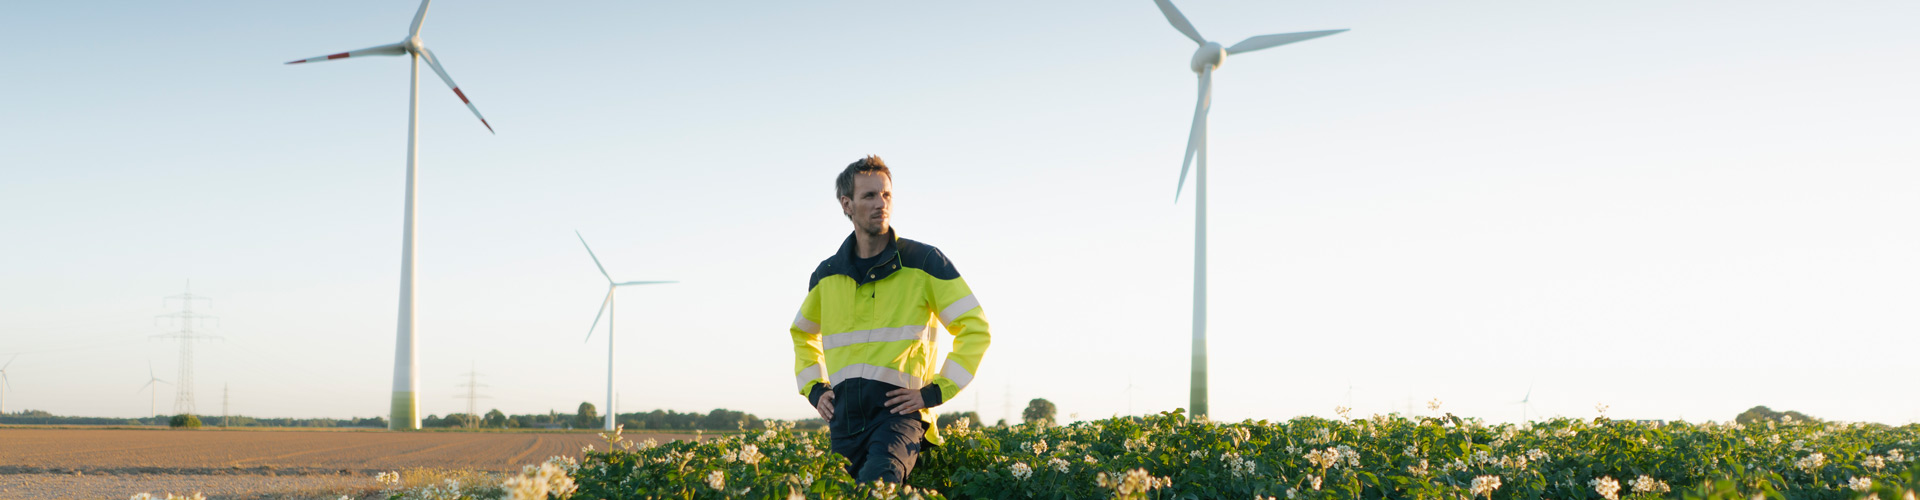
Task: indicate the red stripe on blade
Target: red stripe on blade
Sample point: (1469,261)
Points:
(342,55)
(463,96)
(483,121)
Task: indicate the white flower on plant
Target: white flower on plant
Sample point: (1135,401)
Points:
(717,480)
(1484,485)
(1860,484)
(1601,407)
(1607,487)
(1038,447)
(1748,439)
(142,496)
(1353,457)
(1874,462)
(1773,439)
(1799,444)
(1058,464)
(1896,455)
(1291,493)
(1646,484)
(1536,455)
(1343,411)
(1811,462)
(1434,405)
(1239,435)
(1240,467)
(387,479)
(1021,470)
(1412,450)
(1135,483)
(1420,470)
(1316,482)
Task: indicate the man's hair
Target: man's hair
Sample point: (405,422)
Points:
(843,186)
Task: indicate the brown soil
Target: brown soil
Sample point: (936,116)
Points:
(105,463)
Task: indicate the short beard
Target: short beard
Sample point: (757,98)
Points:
(883,230)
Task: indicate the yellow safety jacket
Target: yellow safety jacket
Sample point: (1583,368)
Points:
(881,323)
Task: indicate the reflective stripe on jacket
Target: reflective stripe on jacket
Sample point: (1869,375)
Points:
(881,323)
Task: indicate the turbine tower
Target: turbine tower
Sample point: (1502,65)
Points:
(153,400)
(1205,61)
(5,384)
(183,391)
(606,308)
(406,376)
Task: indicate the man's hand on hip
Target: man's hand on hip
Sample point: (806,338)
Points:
(826,405)
(905,401)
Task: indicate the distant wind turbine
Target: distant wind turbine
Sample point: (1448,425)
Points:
(1205,60)
(406,375)
(606,308)
(153,401)
(5,384)
(1525,402)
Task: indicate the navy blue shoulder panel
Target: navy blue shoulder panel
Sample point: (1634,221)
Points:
(926,258)
(825,269)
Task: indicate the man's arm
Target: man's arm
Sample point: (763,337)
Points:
(810,360)
(954,302)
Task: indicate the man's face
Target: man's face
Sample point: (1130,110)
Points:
(871,206)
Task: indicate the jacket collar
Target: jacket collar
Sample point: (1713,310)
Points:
(884,264)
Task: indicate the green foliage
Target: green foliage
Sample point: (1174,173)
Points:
(1762,414)
(1038,410)
(586,418)
(1379,457)
(184,421)
(496,419)
(947,419)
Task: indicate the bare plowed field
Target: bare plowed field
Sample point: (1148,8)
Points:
(261,459)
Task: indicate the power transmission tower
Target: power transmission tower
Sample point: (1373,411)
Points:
(473,386)
(225,392)
(183,388)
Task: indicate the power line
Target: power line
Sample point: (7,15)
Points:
(473,386)
(183,387)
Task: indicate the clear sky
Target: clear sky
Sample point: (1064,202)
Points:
(1678,209)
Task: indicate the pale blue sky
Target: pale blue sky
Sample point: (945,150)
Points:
(1679,209)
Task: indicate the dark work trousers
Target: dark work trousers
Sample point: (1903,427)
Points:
(879,444)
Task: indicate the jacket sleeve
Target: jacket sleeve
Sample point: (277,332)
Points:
(961,313)
(809,359)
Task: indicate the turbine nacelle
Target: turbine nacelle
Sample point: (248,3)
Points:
(1210,55)
(414,45)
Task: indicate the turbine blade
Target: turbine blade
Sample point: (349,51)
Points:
(596,316)
(1197,137)
(1179,21)
(144,387)
(596,260)
(9,362)
(434,62)
(644,283)
(391,49)
(1270,41)
(419,17)
(5,380)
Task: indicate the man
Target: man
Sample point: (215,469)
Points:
(863,341)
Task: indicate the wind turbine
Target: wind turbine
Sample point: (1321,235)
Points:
(1205,60)
(1525,403)
(153,400)
(406,377)
(606,308)
(5,384)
